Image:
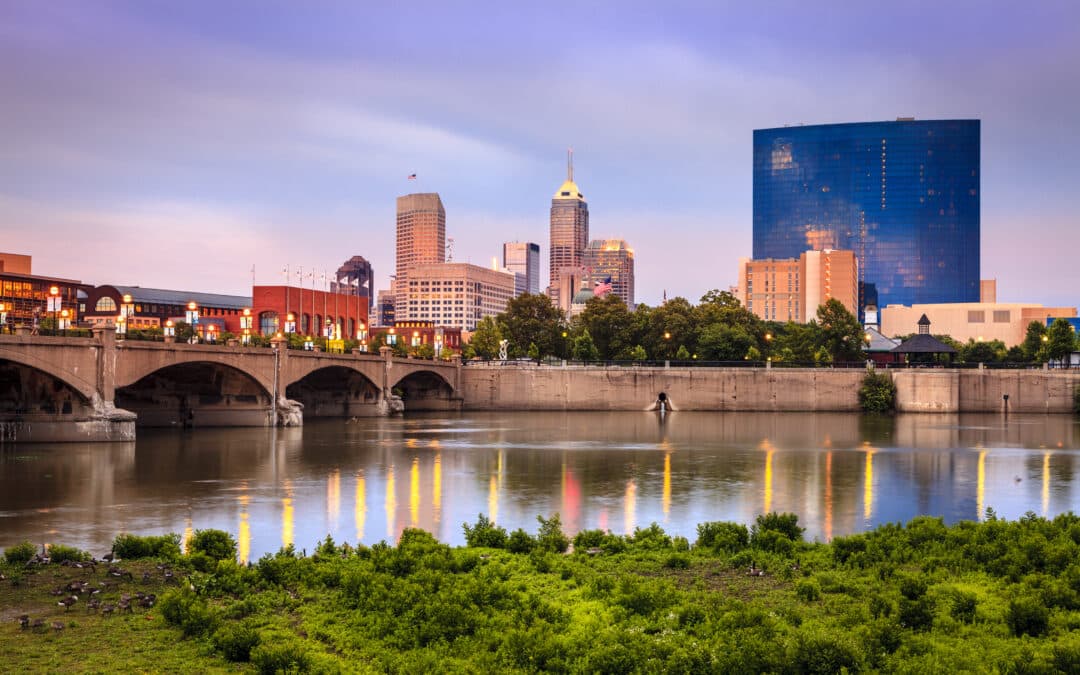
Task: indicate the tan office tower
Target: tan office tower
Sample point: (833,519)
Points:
(421,236)
(569,228)
(792,289)
(611,261)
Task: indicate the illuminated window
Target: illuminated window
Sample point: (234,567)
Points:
(105,305)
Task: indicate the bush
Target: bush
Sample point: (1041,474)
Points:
(808,590)
(217,544)
(551,537)
(877,393)
(132,546)
(20,553)
(721,536)
(818,652)
(484,533)
(1027,616)
(1076,400)
(586,539)
(280,656)
(520,541)
(651,538)
(786,524)
(677,561)
(963,607)
(59,553)
(236,640)
(189,612)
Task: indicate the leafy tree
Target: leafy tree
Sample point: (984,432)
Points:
(584,349)
(608,322)
(551,537)
(668,328)
(534,351)
(723,342)
(424,351)
(877,393)
(1061,341)
(683,354)
(485,340)
(532,320)
(638,353)
(1034,348)
(217,544)
(982,352)
(841,333)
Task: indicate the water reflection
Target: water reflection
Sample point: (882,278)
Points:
(273,488)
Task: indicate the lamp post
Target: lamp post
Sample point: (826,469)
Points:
(3,317)
(128,307)
(290,323)
(768,347)
(211,334)
(193,321)
(438,342)
(121,326)
(54,304)
(169,332)
(64,320)
(245,321)
(246,338)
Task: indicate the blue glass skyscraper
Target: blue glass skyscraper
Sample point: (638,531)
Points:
(903,195)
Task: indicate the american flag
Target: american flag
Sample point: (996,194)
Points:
(602,288)
(412,176)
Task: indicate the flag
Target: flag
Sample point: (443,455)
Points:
(602,288)
(412,176)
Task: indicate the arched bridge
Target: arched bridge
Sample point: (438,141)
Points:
(55,388)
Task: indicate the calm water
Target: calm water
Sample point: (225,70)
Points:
(367,481)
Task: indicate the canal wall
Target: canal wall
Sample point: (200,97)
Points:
(922,390)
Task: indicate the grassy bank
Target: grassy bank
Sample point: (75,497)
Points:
(922,597)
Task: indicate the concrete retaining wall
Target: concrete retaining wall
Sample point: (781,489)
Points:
(931,390)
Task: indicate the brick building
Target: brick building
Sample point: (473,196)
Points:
(311,310)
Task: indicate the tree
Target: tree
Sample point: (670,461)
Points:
(841,333)
(638,353)
(608,322)
(584,348)
(982,352)
(668,327)
(485,340)
(424,351)
(534,351)
(1034,349)
(532,320)
(720,342)
(1061,341)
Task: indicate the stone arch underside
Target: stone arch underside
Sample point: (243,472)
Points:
(426,390)
(197,393)
(27,391)
(335,391)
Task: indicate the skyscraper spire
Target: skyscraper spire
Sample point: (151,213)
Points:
(570,164)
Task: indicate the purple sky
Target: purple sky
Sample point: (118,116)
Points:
(176,144)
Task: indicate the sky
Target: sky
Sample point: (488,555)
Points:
(181,144)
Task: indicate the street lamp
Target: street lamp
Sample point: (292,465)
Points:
(416,338)
(170,329)
(245,320)
(64,320)
(361,331)
(54,304)
(128,307)
(211,334)
(121,326)
(192,315)
(290,323)
(3,317)
(246,339)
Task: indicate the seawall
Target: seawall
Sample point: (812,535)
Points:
(931,390)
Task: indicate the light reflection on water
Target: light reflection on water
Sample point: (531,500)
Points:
(841,473)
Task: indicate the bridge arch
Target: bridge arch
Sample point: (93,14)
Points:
(27,392)
(196,392)
(86,388)
(335,390)
(426,389)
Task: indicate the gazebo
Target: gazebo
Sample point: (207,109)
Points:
(921,345)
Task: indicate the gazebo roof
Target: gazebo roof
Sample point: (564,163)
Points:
(924,344)
(878,342)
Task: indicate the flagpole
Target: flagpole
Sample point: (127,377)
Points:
(286,271)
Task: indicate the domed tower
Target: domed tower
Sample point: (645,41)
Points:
(569,228)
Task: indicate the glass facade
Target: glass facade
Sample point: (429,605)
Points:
(904,196)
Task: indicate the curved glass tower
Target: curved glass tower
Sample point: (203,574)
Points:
(903,195)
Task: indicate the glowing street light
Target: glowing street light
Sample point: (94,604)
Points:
(170,329)
(121,325)
(290,323)
(361,331)
(65,321)
(245,319)
(192,316)
(54,304)
(3,317)
(211,334)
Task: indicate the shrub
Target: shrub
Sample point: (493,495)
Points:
(786,524)
(280,656)
(916,614)
(1076,400)
(677,561)
(652,538)
(1027,616)
(132,546)
(551,537)
(963,607)
(484,533)
(217,544)
(59,553)
(721,536)
(189,612)
(236,640)
(520,541)
(818,652)
(808,590)
(587,539)
(877,393)
(20,553)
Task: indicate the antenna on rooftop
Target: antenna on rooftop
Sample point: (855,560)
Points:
(570,164)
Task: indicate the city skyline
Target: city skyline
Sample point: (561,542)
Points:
(135,130)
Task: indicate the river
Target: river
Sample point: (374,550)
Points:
(366,480)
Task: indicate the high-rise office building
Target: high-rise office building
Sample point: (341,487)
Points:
(355,277)
(523,258)
(611,261)
(792,289)
(421,235)
(454,294)
(569,227)
(903,196)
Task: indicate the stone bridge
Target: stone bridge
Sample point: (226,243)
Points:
(99,388)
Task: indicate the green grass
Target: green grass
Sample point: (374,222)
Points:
(885,601)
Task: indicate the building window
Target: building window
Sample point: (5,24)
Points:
(976,316)
(105,304)
(1001,316)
